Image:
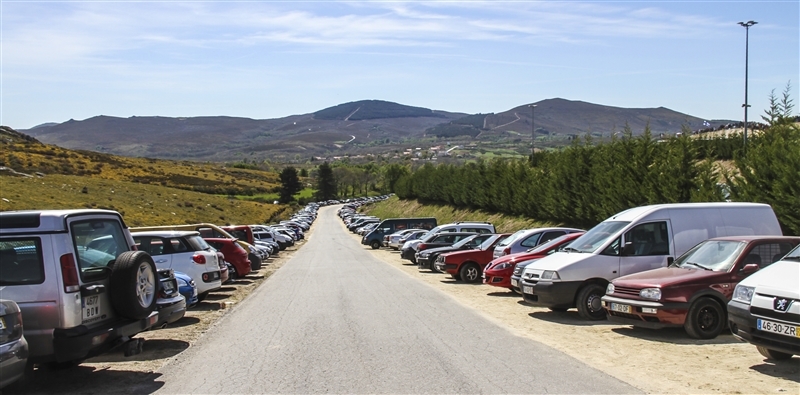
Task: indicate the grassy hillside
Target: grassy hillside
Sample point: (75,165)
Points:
(145,191)
(396,208)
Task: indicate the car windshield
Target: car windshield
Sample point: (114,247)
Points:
(793,255)
(543,248)
(197,243)
(488,242)
(510,239)
(464,241)
(596,237)
(716,255)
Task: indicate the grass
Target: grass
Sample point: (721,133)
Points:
(306,193)
(396,208)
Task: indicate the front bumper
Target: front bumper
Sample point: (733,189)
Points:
(668,315)
(81,342)
(744,326)
(559,294)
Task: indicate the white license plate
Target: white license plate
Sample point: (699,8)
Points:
(622,308)
(778,328)
(514,283)
(92,308)
(526,289)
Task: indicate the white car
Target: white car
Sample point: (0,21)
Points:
(183,251)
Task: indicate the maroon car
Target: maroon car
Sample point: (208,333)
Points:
(234,254)
(693,291)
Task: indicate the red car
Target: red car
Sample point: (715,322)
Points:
(468,265)
(499,271)
(234,254)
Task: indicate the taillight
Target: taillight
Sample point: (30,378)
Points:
(199,259)
(422,246)
(507,251)
(69,272)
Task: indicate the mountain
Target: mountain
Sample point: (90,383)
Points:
(367,126)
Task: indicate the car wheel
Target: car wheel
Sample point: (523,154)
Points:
(558,309)
(134,285)
(375,245)
(470,272)
(772,354)
(705,320)
(590,307)
(414,260)
(201,297)
(255,261)
(233,273)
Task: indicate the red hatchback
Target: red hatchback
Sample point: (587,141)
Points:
(468,265)
(234,254)
(499,271)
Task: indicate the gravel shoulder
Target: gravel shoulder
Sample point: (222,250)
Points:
(656,361)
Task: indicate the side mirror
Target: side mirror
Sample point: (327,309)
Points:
(750,268)
(628,249)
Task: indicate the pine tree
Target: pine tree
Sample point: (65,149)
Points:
(326,183)
(290,184)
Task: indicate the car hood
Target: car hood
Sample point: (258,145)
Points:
(559,260)
(667,276)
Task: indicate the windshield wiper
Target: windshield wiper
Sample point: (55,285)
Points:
(570,249)
(698,265)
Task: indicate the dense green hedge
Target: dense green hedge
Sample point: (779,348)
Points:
(587,182)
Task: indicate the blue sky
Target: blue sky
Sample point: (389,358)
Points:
(66,60)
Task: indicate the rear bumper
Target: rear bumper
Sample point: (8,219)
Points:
(13,357)
(81,342)
(172,311)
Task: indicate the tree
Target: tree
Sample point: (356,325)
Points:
(290,184)
(326,183)
(303,173)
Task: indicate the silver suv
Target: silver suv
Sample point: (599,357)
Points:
(81,286)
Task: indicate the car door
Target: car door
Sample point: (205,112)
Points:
(645,247)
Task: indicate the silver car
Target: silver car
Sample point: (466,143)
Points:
(13,346)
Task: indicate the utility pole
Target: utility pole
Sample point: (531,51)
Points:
(746,26)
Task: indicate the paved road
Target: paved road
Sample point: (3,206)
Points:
(334,319)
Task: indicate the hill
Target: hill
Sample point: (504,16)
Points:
(34,175)
(354,128)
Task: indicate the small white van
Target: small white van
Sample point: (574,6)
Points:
(635,240)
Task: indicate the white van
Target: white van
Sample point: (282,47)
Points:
(635,240)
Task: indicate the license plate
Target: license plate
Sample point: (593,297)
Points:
(526,289)
(92,308)
(514,283)
(622,308)
(778,328)
(2,323)
(168,286)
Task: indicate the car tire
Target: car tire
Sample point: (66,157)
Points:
(772,354)
(375,245)
(470,272)
(255,261)
(232,273)
(706,319)
(134,285)
(201,297)
(589,305)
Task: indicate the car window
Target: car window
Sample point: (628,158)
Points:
(21,261)
(551,235)
(768,253)
(97,245)
(195,243)
(510,239)
(531,241)
(648,239)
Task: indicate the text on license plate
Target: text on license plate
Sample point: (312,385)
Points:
(92,308)
(528,290)
(622,308)
(514,283)
(778,328)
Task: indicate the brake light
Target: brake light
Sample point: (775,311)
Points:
(507,251)
(422,246)
(199,259)
(69,273)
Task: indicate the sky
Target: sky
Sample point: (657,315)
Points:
(62,60)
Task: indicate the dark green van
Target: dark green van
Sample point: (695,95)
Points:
(391,225)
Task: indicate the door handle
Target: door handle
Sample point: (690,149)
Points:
(161,261)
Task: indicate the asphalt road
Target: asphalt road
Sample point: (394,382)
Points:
(335,319)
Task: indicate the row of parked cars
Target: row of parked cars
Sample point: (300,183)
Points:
(79,283)
(706,267)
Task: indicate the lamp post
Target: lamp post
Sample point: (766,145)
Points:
(533,129)
(746,26)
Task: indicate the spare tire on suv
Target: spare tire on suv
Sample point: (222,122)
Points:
(134,285)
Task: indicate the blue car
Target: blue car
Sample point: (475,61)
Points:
(187,288)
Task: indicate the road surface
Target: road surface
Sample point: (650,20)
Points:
(335,319)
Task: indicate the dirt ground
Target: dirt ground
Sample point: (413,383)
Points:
(658,362)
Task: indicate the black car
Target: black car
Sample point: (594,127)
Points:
(171,305)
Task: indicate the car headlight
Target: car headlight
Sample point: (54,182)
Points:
(610,289)
(743,293)
(502,266)
(424,254)
(181,282)
(650,293)
(550,275)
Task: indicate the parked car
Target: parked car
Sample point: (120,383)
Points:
(187,288)
(392,225)
(632,241)
(256,256)
(80,285)
(410,236)
(427,257)
(505,271)
(392,240)
(410,248)
(13,346)
(524,240)
(171,305)
(184,251)
(468,265)
(438,240)
(234,254)
(765,309)
(693,291)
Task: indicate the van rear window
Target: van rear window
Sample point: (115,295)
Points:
(21,261)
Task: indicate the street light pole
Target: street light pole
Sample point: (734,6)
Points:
(746,26)
(533,129)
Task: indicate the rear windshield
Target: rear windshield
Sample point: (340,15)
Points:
(197,243)
(510,239)
(97,245)
(21,261)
